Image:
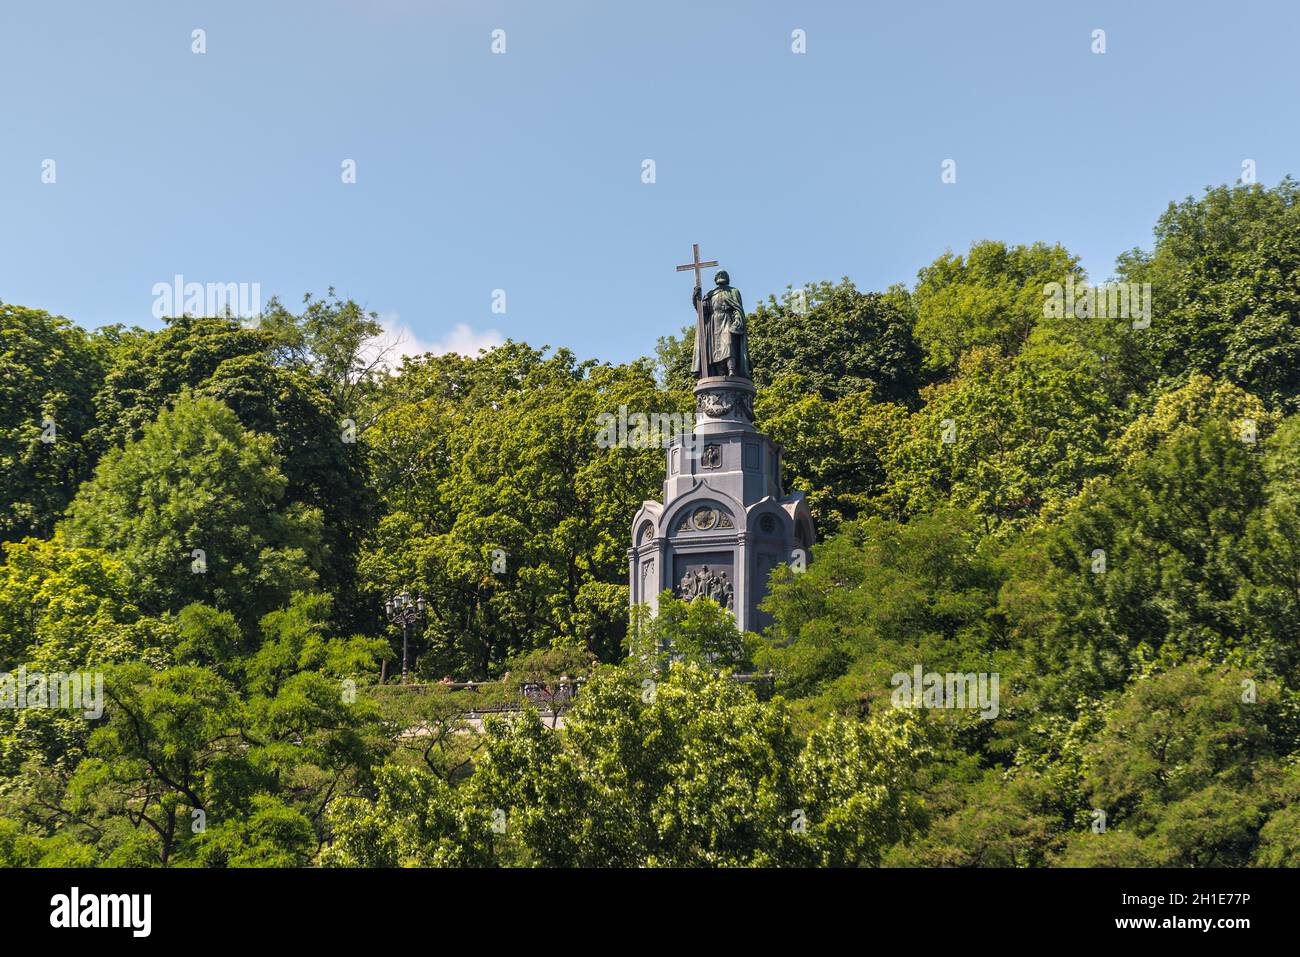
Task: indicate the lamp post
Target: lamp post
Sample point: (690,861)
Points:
(408,612)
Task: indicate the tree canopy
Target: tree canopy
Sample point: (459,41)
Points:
(1052,616)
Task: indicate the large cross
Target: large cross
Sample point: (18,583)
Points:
(696,264)
(699,306)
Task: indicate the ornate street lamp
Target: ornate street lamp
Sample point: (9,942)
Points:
(408,612)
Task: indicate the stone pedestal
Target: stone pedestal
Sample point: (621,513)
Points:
(724,522)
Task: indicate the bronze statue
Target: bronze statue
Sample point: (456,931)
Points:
(722,349)
(721,346)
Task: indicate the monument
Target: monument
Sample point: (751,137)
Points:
(725,521)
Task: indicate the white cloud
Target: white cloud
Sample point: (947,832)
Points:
(466,341)
(397,340)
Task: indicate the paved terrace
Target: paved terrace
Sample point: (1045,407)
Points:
(471,702)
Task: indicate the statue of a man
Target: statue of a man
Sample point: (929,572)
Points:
(720,338)
(687,588)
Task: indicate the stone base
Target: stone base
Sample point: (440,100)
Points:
(725,521)
(726,401)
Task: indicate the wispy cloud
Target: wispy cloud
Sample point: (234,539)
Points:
(397,340)
(467,341)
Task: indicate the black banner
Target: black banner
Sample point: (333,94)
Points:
(515,907)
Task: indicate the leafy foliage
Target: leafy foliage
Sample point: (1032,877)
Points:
(495,462)
(1102,516)
(49,372)
(197,480)
(993,296)
(1222,274)
(689,770)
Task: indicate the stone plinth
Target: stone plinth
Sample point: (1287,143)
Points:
(725,522)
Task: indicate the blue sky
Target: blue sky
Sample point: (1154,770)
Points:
(523,171)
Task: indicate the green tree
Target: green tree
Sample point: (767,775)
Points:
(504,509)
(273,835)
(880,598)
(835,338)
(686,770)
(415,820)
(1179,764)
(1006,437)
(1279,838)
(185,768)
(49,372)
(699,631)
(65,610)
(858,784)
(1267,601)
(997,824)
(1187,408)
(274,389)
(1142,567)
(835,450)
(194,509)
(321,455)
(1225,304)
(840,341)
(159,366)
(333,338)
(992,296)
